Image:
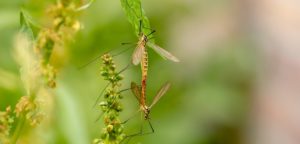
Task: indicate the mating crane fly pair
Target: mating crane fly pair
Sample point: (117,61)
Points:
(140,55)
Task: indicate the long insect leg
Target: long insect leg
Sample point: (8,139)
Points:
(146,133)
(141,133)
(104,112)
(100,95)
(126,89)
(98,98)
(128,48)
(133,135)
(130,117)
(91,61)
(123,90)
(99,116)
(152,129)
(109,51)
(127,66)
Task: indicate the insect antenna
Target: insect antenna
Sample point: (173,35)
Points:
(153,31)
(124,90)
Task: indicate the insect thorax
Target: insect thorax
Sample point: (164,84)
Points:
(146,112)
(144,38)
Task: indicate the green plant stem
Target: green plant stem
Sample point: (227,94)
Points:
(18,130)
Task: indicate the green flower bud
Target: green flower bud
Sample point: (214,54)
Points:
(109,128)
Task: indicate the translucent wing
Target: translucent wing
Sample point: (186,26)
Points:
(85,6)
(137,54)
(162,52)
(160,93)
(136,90)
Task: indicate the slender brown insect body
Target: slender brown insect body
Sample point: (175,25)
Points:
(140,55)
(144,66)
(137,91)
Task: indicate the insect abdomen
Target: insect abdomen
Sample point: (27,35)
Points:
(145,62)
(144,65)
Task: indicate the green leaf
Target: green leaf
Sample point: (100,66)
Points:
(136,15)
(25,26)
(28,26)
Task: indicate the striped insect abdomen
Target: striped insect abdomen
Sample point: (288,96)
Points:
(144,66)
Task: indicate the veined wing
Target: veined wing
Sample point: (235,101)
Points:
(137,54)
(160,93)
(136,90)
(162,52)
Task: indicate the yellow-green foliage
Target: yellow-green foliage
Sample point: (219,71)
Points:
(6,121)
(135,14)
(111,106)
(33,53)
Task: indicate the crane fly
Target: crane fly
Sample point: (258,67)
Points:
(140,55)
(136,90)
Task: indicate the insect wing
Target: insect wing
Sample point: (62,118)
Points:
(137,54)
(85,6)
(160,93)
(136,90)
(162,52)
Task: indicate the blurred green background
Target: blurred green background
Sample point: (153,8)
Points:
(211,86)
